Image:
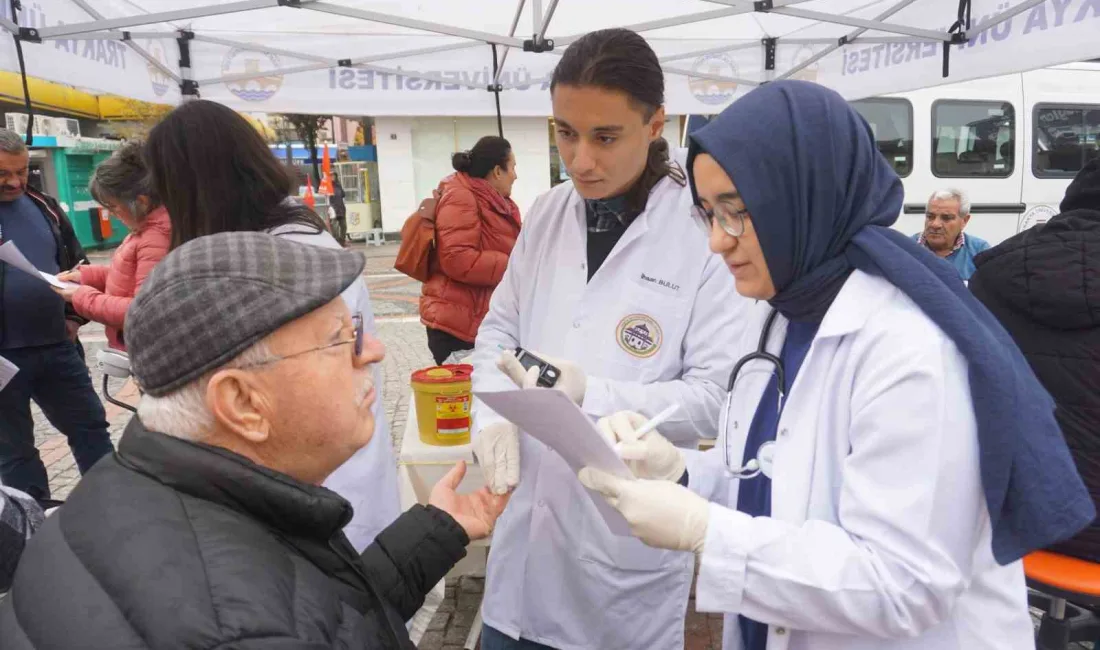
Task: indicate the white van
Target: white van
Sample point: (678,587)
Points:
(1013,143)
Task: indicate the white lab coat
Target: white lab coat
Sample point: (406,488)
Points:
(368,480)
(879,536)
(556,575)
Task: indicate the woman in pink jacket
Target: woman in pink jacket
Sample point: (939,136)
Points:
(121,185)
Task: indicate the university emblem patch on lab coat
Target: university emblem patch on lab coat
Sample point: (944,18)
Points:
(639,335)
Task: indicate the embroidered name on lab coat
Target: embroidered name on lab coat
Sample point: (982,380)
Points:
(660,283)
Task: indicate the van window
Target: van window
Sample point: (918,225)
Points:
(891,121)
(973,139)
(1065,139)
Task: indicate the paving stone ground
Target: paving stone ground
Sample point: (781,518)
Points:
(394,298)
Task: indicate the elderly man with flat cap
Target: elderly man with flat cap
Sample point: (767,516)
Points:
(209,527)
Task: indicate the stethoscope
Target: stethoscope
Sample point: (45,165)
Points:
(762,464)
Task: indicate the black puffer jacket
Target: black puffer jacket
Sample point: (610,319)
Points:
(1044,287)
(169,544)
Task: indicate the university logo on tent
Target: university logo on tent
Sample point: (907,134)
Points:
(160,81)
(713,91)
(259,88)
(640,335)
(803,54)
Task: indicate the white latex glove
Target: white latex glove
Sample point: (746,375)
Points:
(497,450)
(650,456)
(660,513)
(571,381)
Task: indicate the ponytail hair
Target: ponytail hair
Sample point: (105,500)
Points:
(489,153)
(657,166)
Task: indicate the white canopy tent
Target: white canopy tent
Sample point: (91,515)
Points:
(441,57)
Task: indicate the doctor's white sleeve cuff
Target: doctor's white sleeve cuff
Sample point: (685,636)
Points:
(724,561)
(706,474)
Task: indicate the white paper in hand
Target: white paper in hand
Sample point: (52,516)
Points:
(7,372)
(550,417)
(11,254)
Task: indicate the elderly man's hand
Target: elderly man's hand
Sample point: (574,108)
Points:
(477,513)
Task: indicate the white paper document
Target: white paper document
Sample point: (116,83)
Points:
(7,372)
(550,417)
(11,254)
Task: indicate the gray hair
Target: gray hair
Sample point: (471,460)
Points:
(183,413)
(11,142)
(123,178)
(953,194)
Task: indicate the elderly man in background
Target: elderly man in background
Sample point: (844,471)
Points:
(209,528)
(945,218)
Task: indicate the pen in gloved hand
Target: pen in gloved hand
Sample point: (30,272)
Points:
(651,424)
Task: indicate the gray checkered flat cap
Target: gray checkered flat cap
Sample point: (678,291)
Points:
(213,297)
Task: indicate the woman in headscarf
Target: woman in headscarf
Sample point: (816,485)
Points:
(882,468)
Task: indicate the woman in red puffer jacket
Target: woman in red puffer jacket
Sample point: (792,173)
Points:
(120,184)
(476,226)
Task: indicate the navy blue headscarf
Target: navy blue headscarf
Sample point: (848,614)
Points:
(822,200)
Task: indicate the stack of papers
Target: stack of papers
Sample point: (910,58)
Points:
(11,254)
(550,417)
(7,372)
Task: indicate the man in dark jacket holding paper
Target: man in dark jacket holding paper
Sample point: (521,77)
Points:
(1044,287)
(38,334)
(209,527)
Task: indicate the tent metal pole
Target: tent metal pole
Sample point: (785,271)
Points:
(118,35)
(536,15)
(245,76)
(495,87)
(925,34)
(745,7)
(546,21)
(412,23)
(126,38)
(262,48)
(29,137)
(435,49)
(511,32)
(890,11)
(722,49)
(152,60)
(161,17)
(858,39)
(712,77)
(9,25)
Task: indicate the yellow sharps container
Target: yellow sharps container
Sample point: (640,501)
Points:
(443,395)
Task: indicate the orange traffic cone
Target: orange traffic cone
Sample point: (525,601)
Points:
(326,176)
(308,196)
